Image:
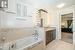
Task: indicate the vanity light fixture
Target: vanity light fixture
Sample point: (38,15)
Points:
(3,3)
(61,5)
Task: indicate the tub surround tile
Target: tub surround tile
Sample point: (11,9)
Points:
(12,34)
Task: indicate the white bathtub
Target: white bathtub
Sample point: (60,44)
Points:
(23,44)
(26,43)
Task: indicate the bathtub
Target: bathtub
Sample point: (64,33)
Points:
(23,44)
(27,43)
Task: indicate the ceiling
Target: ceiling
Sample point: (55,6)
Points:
(54,3)
(51,3)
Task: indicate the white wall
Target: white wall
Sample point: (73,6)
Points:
(74,26)
(70,10)
(56,20)
(53,20)
(7,20)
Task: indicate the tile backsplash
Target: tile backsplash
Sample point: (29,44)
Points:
(12,34)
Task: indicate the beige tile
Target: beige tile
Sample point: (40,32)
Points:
(12,34)
(67,37)
(59,45)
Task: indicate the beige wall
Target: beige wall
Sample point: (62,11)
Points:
(13,28)
(12,34)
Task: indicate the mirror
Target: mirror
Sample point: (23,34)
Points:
(43,18)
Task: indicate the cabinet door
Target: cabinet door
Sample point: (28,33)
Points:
(54,34)
(38,47)
(48,37)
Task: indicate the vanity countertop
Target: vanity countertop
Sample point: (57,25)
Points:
(49,28)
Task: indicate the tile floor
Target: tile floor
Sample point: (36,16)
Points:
(67,37)
(59,45)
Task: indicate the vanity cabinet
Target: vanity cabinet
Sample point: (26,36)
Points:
(38,47)
(50,36)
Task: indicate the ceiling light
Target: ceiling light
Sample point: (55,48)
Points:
(60,5)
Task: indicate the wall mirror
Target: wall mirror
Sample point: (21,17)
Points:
(42,18)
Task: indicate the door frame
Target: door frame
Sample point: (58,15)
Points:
(68,11)
(60,23)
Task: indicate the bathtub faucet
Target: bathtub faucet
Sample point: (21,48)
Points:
(36,35)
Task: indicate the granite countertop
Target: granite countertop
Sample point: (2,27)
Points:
(49,28)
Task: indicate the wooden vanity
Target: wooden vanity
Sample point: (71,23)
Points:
(50,35)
